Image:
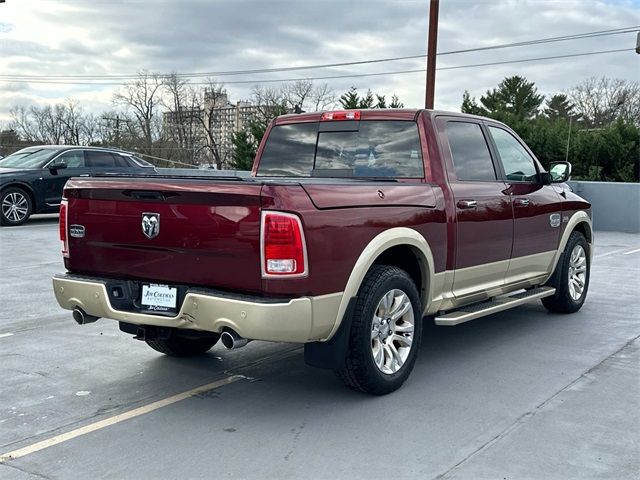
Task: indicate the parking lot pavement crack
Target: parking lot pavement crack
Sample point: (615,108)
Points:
(24,470)
(524,418)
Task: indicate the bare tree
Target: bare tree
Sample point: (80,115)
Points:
(61,123)
(181,124)
(175,102)
(90,129)
(72,118)
(600,101)
(269,102)
(48,123)
(22,123)
(305,95)
(323,97)
(143,97)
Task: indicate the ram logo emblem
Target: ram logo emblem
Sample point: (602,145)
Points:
(555,219)
(151,224)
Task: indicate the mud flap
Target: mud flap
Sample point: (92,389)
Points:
(332,353)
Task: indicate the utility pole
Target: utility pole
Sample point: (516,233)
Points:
(431,53)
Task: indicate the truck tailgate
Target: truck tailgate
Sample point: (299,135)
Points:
(208,230)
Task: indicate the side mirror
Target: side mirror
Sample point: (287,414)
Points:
(57,165)
(560,172)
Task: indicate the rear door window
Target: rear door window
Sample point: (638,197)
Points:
(120,160)
(369,148)
(99,159)
(470,152)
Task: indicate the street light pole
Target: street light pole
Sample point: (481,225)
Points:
(431,53)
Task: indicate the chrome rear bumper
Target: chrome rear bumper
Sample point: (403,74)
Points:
(297,320)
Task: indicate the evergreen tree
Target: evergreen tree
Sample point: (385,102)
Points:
(515,97)
(244,151)
(558,107)
(607,153)
(367,101)
(395,102)
(469,105)
(350,100)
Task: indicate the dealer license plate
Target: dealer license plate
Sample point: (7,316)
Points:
(159,298)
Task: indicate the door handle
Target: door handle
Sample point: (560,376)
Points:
(521,202)
(467,204)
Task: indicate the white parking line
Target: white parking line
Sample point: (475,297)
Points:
(632,251)
(608,254)
(2,335)
(136,412)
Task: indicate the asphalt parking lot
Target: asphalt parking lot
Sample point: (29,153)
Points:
(523,394)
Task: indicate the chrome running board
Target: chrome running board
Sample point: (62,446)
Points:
(498,304)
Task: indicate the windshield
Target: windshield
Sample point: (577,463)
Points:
(369,148)
(28,158)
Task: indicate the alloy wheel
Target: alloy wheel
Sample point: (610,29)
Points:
(392,331)
(15,207)
(577,272)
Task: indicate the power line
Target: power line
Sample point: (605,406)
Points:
(333,77)
(578,36)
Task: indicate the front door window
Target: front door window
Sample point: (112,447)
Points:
(517,163)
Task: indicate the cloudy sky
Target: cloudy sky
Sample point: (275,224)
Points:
(47,38)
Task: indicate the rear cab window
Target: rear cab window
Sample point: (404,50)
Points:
(364,149)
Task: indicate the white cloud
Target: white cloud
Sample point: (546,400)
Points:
(73,37)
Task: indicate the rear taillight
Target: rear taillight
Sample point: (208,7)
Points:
(283,247)
(64,206)
(340,115)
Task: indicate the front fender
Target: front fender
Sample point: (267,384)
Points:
(576,219)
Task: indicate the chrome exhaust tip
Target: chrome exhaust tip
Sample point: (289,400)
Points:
(81,317)
(231,340)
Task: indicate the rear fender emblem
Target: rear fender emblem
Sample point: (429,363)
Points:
(76,231)
(151,224)
(555,219)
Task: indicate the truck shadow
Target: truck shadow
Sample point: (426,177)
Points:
(281,366)
(45,219)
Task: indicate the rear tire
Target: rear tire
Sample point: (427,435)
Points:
(15,206)
(571,277)
(176,346)
(385,332)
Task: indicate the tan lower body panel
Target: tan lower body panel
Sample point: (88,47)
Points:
(456,288)
(299,320)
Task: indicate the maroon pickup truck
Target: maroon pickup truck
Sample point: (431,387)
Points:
(352,228)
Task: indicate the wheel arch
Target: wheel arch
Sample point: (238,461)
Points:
(581,222)
(585,228)
(398,247)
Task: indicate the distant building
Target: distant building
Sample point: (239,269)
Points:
(228,118)
(186,128)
